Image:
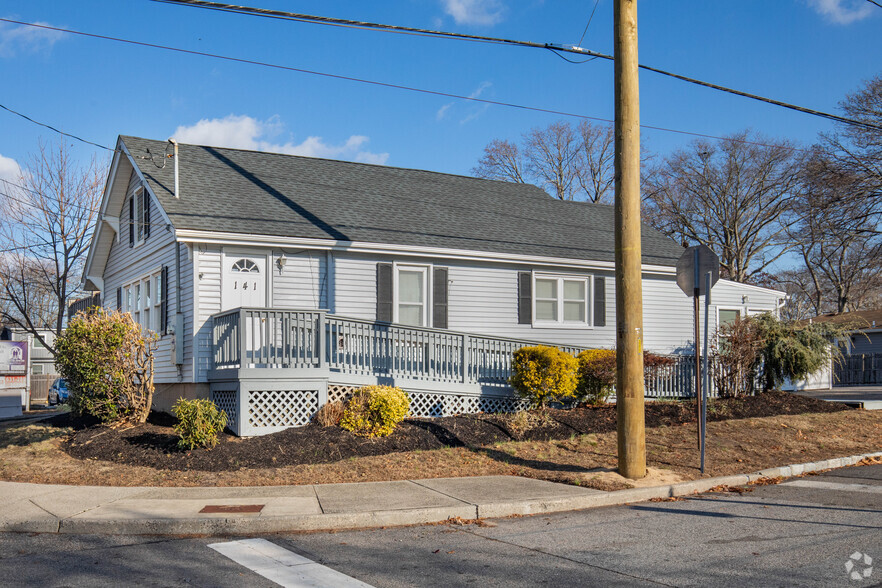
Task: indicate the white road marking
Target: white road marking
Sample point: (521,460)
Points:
(282,566)
(818,485)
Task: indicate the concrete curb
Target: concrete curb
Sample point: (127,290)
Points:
(244,524)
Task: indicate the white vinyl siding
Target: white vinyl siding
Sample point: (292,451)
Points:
(125,265)
(482,297)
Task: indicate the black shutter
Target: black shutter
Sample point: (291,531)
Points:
(146,214)
(525,298)
(384,292)
(599,301)
(439,298)
(131,222)
(139,210)
(163,308)
(119,298)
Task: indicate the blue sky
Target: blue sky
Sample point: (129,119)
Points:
(809,52)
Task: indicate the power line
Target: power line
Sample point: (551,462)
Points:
(359,80)
(51,128)
(325,20)
(36,193)
(874,2)
(590,18)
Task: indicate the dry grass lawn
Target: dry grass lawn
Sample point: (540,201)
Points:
(32,453)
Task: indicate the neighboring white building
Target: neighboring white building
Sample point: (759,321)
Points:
(356,273)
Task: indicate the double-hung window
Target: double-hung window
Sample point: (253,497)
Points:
(561,300)
(411,295)
(143,300)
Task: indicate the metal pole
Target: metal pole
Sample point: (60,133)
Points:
(629,288)
(707,377)
(698,386)
(696,281)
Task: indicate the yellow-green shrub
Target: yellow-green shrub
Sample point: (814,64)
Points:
(108,364)
(199,423)
(543,374)
(597,375)
(375,411)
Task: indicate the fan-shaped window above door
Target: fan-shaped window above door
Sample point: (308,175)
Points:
(245,266)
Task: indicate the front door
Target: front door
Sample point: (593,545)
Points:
(244,282)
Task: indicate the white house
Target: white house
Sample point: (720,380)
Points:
(278,281)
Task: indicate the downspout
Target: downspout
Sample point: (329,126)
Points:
(179,316)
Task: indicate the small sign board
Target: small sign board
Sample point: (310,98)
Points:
(13,357)
(692,267)
(13,382)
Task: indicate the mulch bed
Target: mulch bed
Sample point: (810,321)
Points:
(154,444)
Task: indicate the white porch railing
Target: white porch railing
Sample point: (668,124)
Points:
(269,338)
(264,338)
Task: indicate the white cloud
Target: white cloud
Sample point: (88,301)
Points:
(10,171)
(26,39)
(245,132)
(843,11)
(477,109)
(475,12)
(443,111)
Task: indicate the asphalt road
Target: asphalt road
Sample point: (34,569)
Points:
(800,533)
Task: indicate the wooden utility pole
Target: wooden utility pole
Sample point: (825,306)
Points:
(629,286)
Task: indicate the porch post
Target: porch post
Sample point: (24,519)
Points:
(466,341)
(243,340)
(322,339)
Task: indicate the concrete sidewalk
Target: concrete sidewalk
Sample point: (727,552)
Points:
(866,397)
(269,509)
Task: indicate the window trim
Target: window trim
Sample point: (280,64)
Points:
(426,270)
(741,314)
(560,323)
(129,300)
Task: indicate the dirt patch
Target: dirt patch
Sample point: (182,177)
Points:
(575,446)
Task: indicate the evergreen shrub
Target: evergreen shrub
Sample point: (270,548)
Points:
(375,411)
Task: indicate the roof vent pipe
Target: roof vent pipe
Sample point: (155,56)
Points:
(175,143)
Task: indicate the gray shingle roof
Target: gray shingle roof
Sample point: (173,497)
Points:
(258,193)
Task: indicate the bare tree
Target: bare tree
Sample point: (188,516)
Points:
(47,224)
(502,160)
(571,163)
(595,164)
(731,195)
(856,151)
(551,158)
(833,232)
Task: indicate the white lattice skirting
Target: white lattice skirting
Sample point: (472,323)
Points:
(263,410)
(428,404)
(226,401)
(281,408)
(434,404)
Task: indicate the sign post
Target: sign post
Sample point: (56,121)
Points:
(13,377)
(698,269)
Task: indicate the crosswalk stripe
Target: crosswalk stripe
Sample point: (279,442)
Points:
(818,485)
(282,566)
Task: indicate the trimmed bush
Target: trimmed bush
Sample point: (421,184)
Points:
(596,375)
(199,423)
(329,414)
(108,364)
(375,411)
(543,374)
